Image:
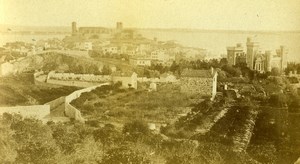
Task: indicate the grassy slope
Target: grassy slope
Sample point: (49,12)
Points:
(126,105)
(14,91)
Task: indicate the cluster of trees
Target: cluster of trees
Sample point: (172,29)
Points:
(84,69)
(100,54)
(292,67)
(225,70)
(72,65)
(231,71)
(177,67)
(26,140)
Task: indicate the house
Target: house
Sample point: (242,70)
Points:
(140,61)
(167,78)
(130,51)
(110,49)
(163,57)
(85,46)
(199,82)
(128,80)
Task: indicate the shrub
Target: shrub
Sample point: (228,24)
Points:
(124,154)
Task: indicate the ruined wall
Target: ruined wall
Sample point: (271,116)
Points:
(36,111)
(196,85)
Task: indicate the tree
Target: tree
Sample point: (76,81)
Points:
(8,145)
(278,100)
(175,67)
(136,129)
(107,135)
(236,72)
(275,71)
(35,142)
(223,62)
(66,138)
(106,70)
(93,69)
(294,105)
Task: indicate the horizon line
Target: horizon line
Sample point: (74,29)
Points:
(165,28)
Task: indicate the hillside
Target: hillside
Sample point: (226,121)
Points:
(17,91)
(113,104)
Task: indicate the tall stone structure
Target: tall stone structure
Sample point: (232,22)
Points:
(282,52)
(235,54)
(257,60)
(252,49)
(74,28)
(268,65)
(119,26)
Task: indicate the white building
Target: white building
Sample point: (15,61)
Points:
(140,61)
(110,49)
(162,56)
(86,46)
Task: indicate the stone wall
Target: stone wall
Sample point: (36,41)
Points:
(127,82)
(36,111)
(196,85)
(37,74)
(79,77)
(82,84)
(157,80)
(57,102)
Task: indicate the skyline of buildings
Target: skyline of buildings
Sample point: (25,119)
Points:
(255,58)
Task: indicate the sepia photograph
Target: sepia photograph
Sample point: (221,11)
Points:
(149,81)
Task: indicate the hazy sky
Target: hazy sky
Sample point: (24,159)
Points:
(202,14)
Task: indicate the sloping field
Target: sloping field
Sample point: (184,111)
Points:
(13,91)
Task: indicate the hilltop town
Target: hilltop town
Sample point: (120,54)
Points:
(105,95)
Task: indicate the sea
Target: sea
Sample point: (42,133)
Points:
(215,42)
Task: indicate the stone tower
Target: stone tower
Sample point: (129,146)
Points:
(268,66)
(119,26)
(252,49)
(233,53)
(74,28)
(283,54)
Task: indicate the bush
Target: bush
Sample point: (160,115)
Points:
(124,154)
(35,142)
(136,129)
